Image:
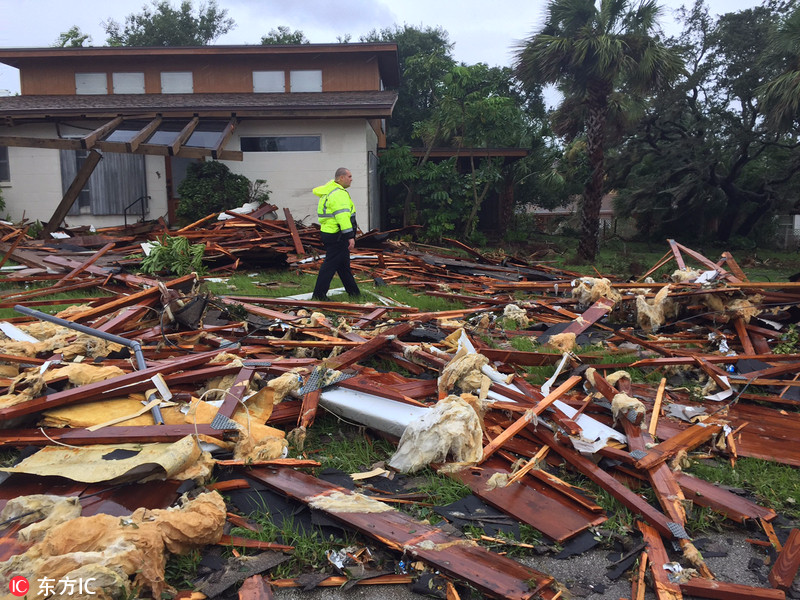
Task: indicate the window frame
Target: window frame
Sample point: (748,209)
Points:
(264,145)
(5,159)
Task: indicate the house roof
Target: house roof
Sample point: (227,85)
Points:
(386,53)
(368,104)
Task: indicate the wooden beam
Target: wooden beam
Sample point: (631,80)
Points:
(720,590)
(88,141)
(72,194)
(143,134)
(35,142)
(298,243)
(785,568)
(184,135)
(657,554)
(91,391)
(495,575)
(223,138)
(87,264)
(529,416)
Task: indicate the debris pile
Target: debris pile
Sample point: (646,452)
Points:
(118,393)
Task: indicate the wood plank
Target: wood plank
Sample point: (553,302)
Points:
(298,243)
(93,259)
(529,416)
(688,439)
(91,391)
(632,501)
(704,493)
(785,568)
(657,554)
(532,502)
(720,590)
(493,574)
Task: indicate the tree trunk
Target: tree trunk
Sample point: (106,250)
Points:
(593,192)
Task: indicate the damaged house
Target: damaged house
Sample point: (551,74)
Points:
(289,115)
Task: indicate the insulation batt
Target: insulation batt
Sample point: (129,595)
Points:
(130,546)
(463,372)
(588,290)
(517,314)
(452,427)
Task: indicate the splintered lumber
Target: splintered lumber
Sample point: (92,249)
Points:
(632,501)
(529,416)
(495,575)
(345,359)
(785,568)
(337,581)
(533,502)
(657,554)
(668,492)
(688,439)
(720,590)
(733,506)
(110,435)
(92,391)
(590,316)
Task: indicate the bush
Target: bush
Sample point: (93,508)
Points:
(174,255)
(210,187)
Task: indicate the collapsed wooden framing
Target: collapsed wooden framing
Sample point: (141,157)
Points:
(723,339)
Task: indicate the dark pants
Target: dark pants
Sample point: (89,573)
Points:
(337,260)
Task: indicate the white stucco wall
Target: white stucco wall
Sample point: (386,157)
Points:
(35,190)
(35,187)
(292,175)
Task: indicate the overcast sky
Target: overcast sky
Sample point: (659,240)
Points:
(483,31)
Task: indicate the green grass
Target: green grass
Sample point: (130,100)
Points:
(310,547)
(775,485)
(277,284)
(181,569)
(342,446)
(77,295)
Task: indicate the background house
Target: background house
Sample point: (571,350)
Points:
(287,114)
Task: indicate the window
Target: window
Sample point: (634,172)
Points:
(305,81)
(285,143)
(128,83)
(177,82)
(5,166)
(265,82)
(91,83)
(117,181)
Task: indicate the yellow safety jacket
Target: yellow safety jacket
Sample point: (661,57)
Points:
(336,211)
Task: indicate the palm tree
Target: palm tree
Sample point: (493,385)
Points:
(592,51)
(781,95)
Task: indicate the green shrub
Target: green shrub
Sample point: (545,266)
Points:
(175,255)
(210,187)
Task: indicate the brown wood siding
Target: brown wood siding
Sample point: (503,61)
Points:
(211,74)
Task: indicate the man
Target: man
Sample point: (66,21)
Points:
(337,222)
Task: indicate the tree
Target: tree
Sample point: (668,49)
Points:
(592,52)
(163,25)
(474,107)
(703,164)
(284,35)
(781,95)
(425,57)
(72,38)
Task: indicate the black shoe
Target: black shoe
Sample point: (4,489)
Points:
(320,298)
